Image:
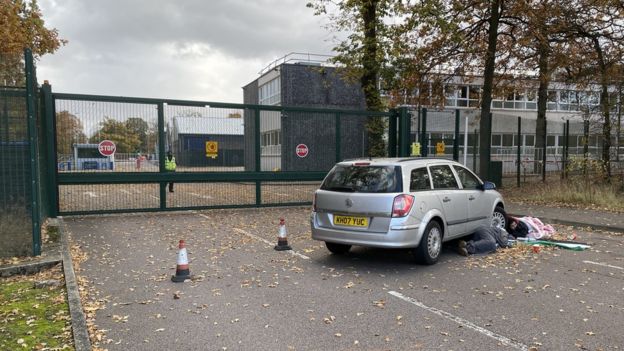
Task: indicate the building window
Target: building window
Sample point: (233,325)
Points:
(529,140)
(474,94)
(507,139)
(270,92)
(450,95)
(473,140)
(531,100)
(550,140)
(273,137)
(552,100)
(496,140)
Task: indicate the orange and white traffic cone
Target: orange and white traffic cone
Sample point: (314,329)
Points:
(182,267)
(282,239)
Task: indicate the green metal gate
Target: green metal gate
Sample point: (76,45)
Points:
(227,155)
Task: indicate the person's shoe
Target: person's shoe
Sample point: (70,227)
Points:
(461,248)
(170,191)
(462,251)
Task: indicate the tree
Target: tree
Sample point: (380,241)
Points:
(69,131)
(126,140)
(538,45)
(22,26)
(138,126)
(454,37)
(364,53)
(597,31)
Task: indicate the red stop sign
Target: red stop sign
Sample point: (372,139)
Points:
(302,150)
(107,148)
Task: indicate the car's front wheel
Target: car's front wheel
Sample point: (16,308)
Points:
(499,218)
(430,246)
(337,249)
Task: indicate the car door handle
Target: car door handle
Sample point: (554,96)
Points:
(446,199)
(471,198)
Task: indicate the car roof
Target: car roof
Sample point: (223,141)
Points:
(399,161)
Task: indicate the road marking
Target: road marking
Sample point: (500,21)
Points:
(292,252)
(603,264)
(90,193)
(125,191)
(502,339)
(155,197)
(202,196)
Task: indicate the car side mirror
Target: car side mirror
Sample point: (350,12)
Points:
(488,186)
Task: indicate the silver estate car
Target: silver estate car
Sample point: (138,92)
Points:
(413,203)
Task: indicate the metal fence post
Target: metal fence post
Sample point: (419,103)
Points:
(338,137)
(161,153)
(567,149)
(456,140)
(475,147)
(519,157)
(544,156)
(257,147)
(488,147)
(34,159)
(50,127)
(563,155)
(404,132)
(424,150)
(392,133)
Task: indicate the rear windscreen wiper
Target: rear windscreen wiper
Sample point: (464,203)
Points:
(341,188)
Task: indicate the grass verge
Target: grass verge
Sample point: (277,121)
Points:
(35,318)
(576,193)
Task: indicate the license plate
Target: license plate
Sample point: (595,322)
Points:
(350,221)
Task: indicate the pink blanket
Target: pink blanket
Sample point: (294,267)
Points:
(537,229)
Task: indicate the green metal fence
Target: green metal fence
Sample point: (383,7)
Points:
(21,139)
(227,155)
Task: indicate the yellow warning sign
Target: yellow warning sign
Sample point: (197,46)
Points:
(440,148)
(212,149)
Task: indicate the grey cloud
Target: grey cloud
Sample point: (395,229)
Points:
(187,49)
(239,28)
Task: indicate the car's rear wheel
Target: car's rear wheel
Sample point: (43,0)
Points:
(499,218)
(430,246)
(337,249)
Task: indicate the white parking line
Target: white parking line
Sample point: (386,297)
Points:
(603,264)
(125,191)
(90,193)
(202,196)
(502,339)
(155,197)
(292,252)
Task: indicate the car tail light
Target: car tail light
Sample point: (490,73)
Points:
(361,164)
(314,202)
(402,205)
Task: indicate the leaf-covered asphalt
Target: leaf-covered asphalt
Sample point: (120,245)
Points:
(247,296)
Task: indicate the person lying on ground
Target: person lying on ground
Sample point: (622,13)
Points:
(517,228)
(530,227)
(483,241)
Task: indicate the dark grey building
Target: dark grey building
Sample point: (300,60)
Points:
(304,84)
(190,135)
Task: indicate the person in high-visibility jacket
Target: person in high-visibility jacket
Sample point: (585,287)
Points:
(170,166)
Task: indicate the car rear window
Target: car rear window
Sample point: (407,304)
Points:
(364,179)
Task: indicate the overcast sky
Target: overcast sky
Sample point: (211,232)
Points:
(187,49)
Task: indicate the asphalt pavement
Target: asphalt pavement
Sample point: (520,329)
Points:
(247,296)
